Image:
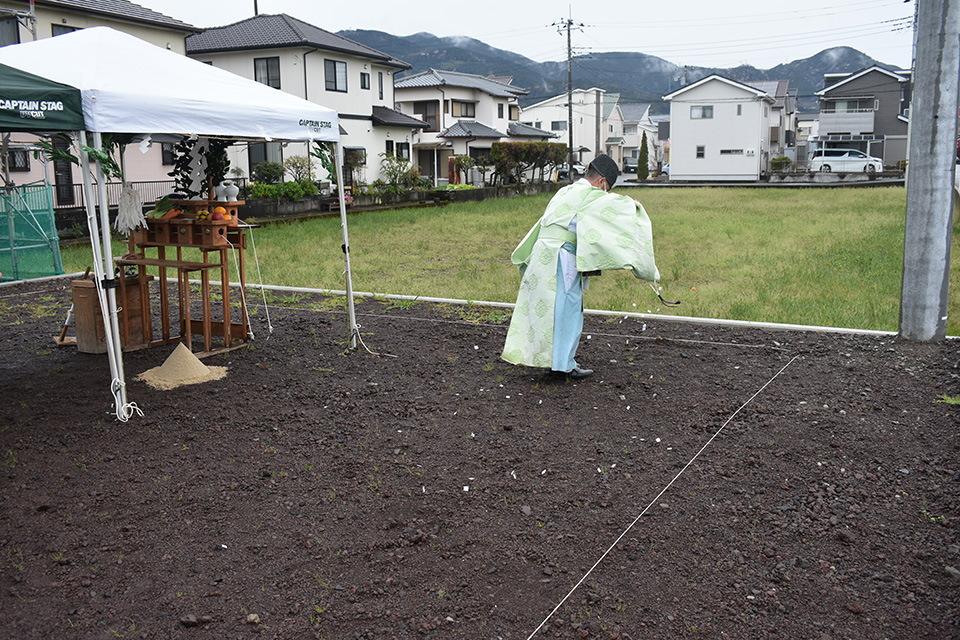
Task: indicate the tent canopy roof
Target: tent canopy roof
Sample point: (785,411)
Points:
(31,103)
(132,86)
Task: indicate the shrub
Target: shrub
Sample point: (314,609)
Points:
(269,172)
(780,164)
(284,190)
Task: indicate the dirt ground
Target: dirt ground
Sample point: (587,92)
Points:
(435,491)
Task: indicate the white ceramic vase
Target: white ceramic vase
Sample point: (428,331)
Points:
(230,190)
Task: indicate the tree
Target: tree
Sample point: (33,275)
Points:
(299,167)
(643,160)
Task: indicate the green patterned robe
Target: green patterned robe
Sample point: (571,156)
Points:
(613,232)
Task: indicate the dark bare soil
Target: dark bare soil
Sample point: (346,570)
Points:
(442,493)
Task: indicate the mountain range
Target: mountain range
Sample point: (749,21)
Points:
(637,77)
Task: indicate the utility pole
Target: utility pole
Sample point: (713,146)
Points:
(930,187)
(256,12)
(569,25)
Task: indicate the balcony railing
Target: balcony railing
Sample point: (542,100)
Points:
(854,122)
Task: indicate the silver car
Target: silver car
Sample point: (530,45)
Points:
(844,161)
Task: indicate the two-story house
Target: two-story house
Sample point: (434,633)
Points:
(465,114)
(783,117)
(866,110)
(614,142)
(719,130)
(592,133)
(21,22)
(636,123)
(293,56)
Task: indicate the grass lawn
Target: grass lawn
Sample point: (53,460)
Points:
(830,257)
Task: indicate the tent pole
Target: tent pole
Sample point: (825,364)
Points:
(351,314)
(111,325)
(94,228)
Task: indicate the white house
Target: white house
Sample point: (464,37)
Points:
(465,114)
(309,62)
(597,122)
(719,130)
(612,119)
(55,17)
(636,122)
(783,117)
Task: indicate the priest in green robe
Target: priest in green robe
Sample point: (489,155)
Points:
(584,229)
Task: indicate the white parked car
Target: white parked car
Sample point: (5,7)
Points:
(844,161)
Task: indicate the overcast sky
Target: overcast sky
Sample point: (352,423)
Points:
(707,33)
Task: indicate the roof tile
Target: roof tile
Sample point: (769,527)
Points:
(277,31)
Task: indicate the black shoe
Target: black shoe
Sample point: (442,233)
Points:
(577,373)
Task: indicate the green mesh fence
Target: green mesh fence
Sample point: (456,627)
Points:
(29,246)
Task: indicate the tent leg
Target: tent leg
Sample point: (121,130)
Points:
(351,313)
(120,390)
(102,261)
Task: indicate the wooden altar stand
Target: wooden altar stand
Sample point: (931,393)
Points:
(214,239)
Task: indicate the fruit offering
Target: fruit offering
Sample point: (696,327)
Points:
(203,214)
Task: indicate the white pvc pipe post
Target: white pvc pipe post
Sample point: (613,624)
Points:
(351,314)
(98,272)
(111,325)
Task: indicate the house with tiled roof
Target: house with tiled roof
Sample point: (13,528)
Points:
(465,114)
(297,57)
(19,22)
(55,17)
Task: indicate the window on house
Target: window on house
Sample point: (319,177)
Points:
(701,112)
(364,80)
(355,157)
(538,124)
(389,147)
(168,158)
(514,112)
(558,125)
(701,152)
(463,109)
(610,126)
(403,150)
(500,110)
(876,105)
(267,71)
(729,152)
(380,80)
(766,111)
(263,152)
(60,29)
(739,109)
(19,160)
(9,32)
(427,111)
(335,75)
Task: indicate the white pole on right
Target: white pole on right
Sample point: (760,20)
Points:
(933,157)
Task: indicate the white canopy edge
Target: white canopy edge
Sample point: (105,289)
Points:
(131,86)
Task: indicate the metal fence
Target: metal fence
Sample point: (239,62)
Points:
(71,196)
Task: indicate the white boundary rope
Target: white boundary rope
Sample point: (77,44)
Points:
(263,292)
(654,501)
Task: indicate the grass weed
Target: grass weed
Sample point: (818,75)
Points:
(829,257)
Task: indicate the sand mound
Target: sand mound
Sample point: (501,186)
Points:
(181,368)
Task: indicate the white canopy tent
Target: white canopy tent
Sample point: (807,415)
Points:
(131,86)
